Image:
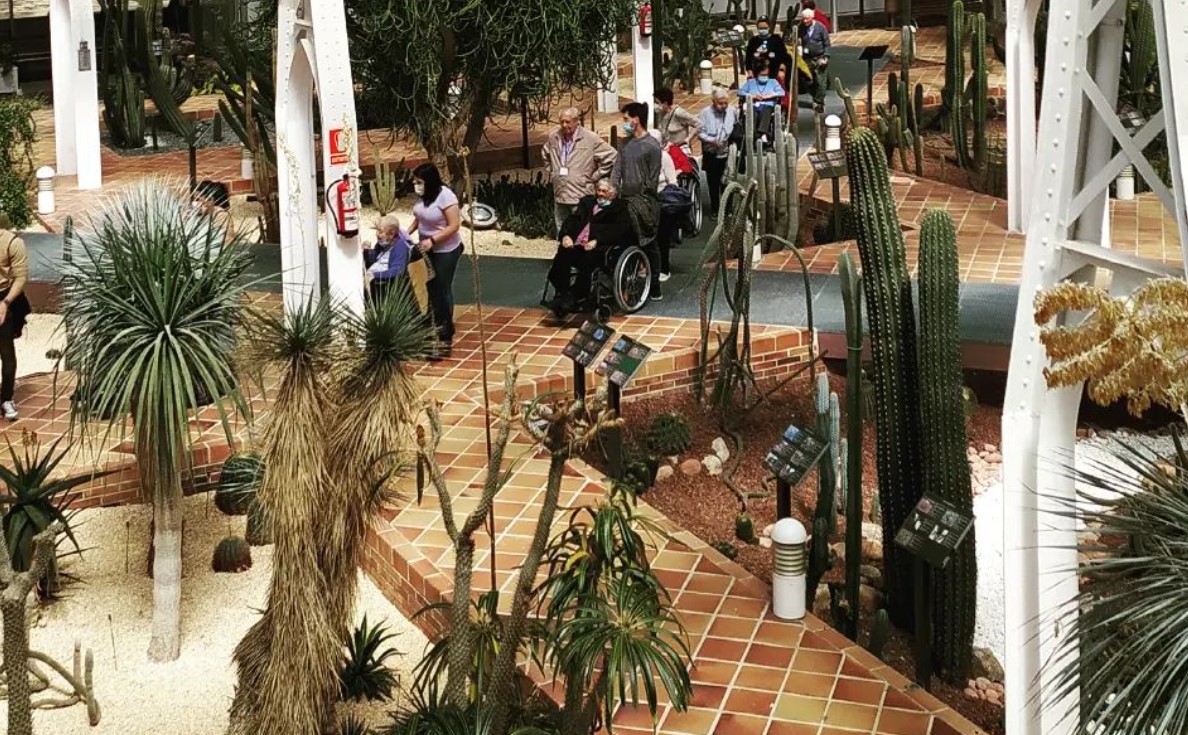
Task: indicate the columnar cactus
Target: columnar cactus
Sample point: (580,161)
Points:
(907,49)
(954,92)
(980,86)
(851,286)
(825,517)
(851,114)
(888,293)
(942,421)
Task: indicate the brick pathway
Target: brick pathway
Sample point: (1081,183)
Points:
(753,674)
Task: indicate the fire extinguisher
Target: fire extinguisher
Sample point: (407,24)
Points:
(645,20)
(342,199)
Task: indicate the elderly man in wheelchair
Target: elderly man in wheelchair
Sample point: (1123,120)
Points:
(598,265)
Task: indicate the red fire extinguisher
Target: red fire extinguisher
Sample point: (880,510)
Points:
(645,20)
(342,199)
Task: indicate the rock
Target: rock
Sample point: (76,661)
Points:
(872,531)
(720,449)
(767,530)
(664,472)
(982,683)
(674,460)
(839,551)
(986,665)
(990,447)
(993,697)
(691,467)
(872,550)
(872,575)
(869,599)
(712,464)
(765,542)
(994,458)
(972,694)
(821,601)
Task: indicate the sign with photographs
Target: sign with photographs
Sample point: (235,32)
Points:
(1132,120)
(729,37)
(587,342)
(828,164)
(623,361)
(796,454)
(934,530)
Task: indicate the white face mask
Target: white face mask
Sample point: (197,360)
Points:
(419,188)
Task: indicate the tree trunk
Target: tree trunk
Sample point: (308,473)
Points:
(16,667)
(461,646)
(167,540)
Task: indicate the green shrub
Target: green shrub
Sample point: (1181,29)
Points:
(18,132)
(525,207)
(363,674)
(669,434)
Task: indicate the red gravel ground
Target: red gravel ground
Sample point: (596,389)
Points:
(707,508)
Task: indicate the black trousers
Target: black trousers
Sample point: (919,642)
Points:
(565,261)
(441,291)
(715,169)
(669,224)
(8,362)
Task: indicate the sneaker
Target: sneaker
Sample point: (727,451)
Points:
(818,108)
(656,296)
(664,277)
(9,410)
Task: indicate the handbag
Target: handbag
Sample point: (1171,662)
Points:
(420,272)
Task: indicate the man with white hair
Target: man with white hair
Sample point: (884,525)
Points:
(387,261)
(717,123)
(576,159)
(814,49)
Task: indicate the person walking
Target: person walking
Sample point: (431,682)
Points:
(14,309)
(670,219)
(437,221)
(767,47)
(635,175)
(676,124)
(576,159)
(814,44)
(717,122)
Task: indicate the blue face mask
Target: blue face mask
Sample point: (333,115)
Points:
(764,33)
(628,129)
(763,78)
(604,203)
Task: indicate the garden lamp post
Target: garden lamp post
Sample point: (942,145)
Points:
(788,590)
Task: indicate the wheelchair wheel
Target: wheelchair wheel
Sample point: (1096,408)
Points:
(692,184)
(632,280)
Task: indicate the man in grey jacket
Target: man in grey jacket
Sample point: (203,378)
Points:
(576,159)
(637,175)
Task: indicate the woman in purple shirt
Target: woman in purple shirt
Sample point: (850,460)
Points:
(436,220)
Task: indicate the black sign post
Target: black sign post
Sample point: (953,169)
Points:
(620,365)
(733,40)
(870,55)
(790,460)
(932,534)
(831,165)
(583,348)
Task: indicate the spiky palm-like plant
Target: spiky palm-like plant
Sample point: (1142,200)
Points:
(288,661)
(1126,631)
(152,301)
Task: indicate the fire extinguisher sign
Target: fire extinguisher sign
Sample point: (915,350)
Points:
(340,145)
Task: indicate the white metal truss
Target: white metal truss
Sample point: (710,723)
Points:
(1067,239)
(311,58)
(1021,17)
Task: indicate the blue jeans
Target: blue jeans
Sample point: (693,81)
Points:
(441,291)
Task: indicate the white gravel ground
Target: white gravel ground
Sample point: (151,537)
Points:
(110,608)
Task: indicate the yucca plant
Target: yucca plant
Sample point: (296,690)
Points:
(33,500)
(364,674)
(152,301)
(1127,629)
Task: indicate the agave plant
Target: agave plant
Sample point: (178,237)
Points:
(33,500)
(152,301)
(352,725)
(364,674)
(1124,649)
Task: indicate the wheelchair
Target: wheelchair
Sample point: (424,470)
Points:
(620,284)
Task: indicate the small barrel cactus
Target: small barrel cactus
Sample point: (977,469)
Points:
(232,555)
(669,434)
(744,528)
(879,632)
(239,480)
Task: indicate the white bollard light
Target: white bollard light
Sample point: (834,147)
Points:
(45,190)
(788,579)
(833,126)
(247,168)
(707,76)
(1124,184)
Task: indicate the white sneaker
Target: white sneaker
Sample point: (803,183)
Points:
(664,277)
(9,410)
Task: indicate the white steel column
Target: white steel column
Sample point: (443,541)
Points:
(1067,239)
(1020,65)
(608,94)
(76,91)
(641,64)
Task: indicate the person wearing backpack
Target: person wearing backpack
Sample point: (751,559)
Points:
(14,310)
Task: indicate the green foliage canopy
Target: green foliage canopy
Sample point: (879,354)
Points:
(18,132)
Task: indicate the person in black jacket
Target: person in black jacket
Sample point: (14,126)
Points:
(598,223)
(767,46)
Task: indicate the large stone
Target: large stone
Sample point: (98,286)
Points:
(872,531)
(869,599)
(821,601)
(872,551)
(985,665)
(720,449)
(664,472)
(872,575)
(993,697)
(691,467)
(712,464)
(839,551)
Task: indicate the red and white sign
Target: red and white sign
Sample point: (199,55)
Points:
(340,140)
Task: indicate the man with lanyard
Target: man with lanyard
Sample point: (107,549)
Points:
(577,159)
(814,44)
(717,123)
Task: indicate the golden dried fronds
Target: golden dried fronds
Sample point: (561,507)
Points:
(1134,348)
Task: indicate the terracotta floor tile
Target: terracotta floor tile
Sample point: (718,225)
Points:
(821,662)
(751,701)
(860,691)
(755,677)
(895,722)
(737,724)
(795,708)
(633,715)
(727,627)
(773,656)
(792,728)
(712,672)
(722,649)
(852,716)
(809,685)
(692,722)
(709,695)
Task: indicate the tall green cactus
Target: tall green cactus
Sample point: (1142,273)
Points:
(979,86)
(159,86)
(825,516)
(851,114)
(954,92)
(888,292)
(942,421)
(123,99)
(851,287)
(907,51)
(1140,32)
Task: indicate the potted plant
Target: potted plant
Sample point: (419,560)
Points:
(9,83)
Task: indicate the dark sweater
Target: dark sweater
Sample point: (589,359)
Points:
(611,226)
